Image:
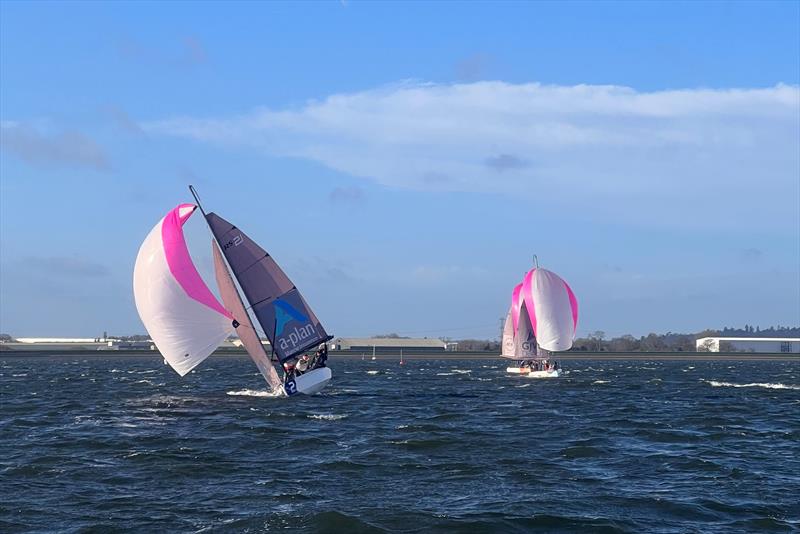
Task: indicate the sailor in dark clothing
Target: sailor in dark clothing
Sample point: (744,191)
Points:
(321,355)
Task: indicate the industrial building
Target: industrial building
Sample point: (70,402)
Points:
(388,344)
(749,344)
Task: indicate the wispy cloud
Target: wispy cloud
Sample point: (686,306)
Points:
(187,51)
(347,195)
(752,254)
(596,147)
(73,267)
(505,162)
(472,68)
(67,148)
(122,120)
(193,51)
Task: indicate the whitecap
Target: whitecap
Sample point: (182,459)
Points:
(600,382)
(327,416)
(766,385)
(373,372)
(255,393)
(461,371)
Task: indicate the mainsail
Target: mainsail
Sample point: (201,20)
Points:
(552,309)
(288,322)
(525,340)
(184,319)
(244,326)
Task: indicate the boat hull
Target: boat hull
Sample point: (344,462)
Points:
(518,370)
(545,374)
(309,383)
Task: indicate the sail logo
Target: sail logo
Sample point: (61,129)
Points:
(285,313)
(235,242)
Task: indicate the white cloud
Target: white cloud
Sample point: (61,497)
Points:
(604,148)
(68,148)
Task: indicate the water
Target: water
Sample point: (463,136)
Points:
(101,444)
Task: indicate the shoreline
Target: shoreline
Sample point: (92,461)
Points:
(333,356)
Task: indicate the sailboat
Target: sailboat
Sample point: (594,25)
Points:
(553,311)
(187,322)
(546,323)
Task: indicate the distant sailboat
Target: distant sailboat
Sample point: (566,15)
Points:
(547,323)
(187,322)
(553,311)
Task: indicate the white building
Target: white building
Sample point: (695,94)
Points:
(749,344)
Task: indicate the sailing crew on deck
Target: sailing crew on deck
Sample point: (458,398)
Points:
(289,368)
(321,355)
(302,365)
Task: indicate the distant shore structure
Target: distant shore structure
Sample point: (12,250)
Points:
(388,344)
(749,344)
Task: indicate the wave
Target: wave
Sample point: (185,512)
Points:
(600,382)
(327,416)
(255,393)
(767,385)
(373,372)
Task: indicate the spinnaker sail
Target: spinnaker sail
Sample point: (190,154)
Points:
(244,326)
(183,317)
(286,318)
(516,304)
(551,308)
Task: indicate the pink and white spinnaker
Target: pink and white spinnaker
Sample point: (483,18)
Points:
(184,318)
(552,309)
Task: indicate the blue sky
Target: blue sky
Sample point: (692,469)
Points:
(404,161)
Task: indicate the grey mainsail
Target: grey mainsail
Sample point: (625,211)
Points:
(525,341)
(286,318)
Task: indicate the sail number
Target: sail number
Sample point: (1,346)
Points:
(290,387)
(235,242)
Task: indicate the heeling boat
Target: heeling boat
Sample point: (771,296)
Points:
(187,322)
(552,309)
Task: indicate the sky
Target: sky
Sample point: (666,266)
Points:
(403,162)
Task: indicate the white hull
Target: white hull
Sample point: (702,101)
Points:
(518,370)
(309,383)
(545,374)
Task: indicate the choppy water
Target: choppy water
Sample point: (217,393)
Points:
(101,444)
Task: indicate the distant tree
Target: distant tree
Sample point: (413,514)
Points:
(597,337)
(6,338)
(706,345)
